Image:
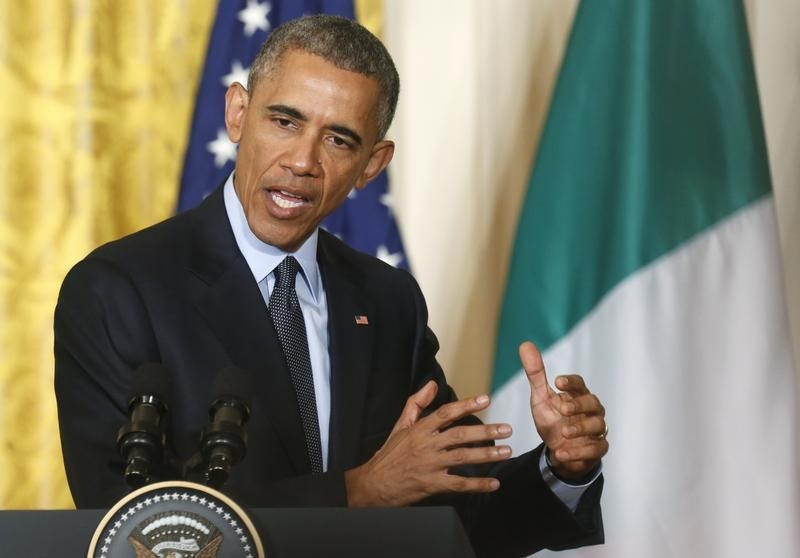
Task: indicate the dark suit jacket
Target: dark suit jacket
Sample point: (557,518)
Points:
(180,293)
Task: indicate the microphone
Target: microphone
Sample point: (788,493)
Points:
(141,441)
(224,441)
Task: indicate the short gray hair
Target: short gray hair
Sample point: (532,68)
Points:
(340,41)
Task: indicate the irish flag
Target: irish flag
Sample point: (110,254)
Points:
(647,260)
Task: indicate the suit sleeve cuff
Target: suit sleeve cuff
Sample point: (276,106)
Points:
(569,493)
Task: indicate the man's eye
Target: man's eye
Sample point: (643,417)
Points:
(284,122)
(339,142)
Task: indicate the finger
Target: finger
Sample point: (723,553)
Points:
(587,404)
(584,426)
(532,362)
(415,405)
(464,435)
(451,412)
(572,383)
(473,456)
(590,450)
(457,483)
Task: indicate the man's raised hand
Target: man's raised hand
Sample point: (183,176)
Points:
(571,423)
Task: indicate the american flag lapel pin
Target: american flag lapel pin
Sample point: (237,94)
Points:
(361,319)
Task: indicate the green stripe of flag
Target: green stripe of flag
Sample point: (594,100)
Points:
(654,134)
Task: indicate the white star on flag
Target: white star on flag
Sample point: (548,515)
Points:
(224,150)
(387,257)
(387,201)
(254,16)
(237,73)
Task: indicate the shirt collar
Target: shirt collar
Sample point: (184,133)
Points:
(261,257)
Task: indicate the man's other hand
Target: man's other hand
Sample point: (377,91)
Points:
(414,462)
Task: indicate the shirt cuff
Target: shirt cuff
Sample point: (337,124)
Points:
(569,494)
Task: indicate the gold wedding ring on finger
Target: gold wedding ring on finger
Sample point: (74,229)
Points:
(602,436)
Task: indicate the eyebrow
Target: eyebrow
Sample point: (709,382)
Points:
(288,111)
(336,128)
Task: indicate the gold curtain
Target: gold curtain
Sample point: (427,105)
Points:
(369,13)
(96,99)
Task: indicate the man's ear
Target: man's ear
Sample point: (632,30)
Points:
(382,153)
(236,100)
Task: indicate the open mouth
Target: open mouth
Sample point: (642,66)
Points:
(287,200)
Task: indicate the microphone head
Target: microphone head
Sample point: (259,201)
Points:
(151,381)
(232,385)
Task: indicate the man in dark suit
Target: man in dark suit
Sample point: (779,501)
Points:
(195,293)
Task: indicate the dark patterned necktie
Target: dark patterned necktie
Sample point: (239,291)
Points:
(288,319)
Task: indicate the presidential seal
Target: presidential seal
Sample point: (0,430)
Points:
(175,520)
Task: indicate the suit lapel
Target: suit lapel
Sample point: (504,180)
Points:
(228,298)
(350,353)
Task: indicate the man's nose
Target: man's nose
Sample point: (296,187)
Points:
(302,156)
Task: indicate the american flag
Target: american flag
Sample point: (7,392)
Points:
(365,220)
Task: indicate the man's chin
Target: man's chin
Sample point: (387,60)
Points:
(283,240)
